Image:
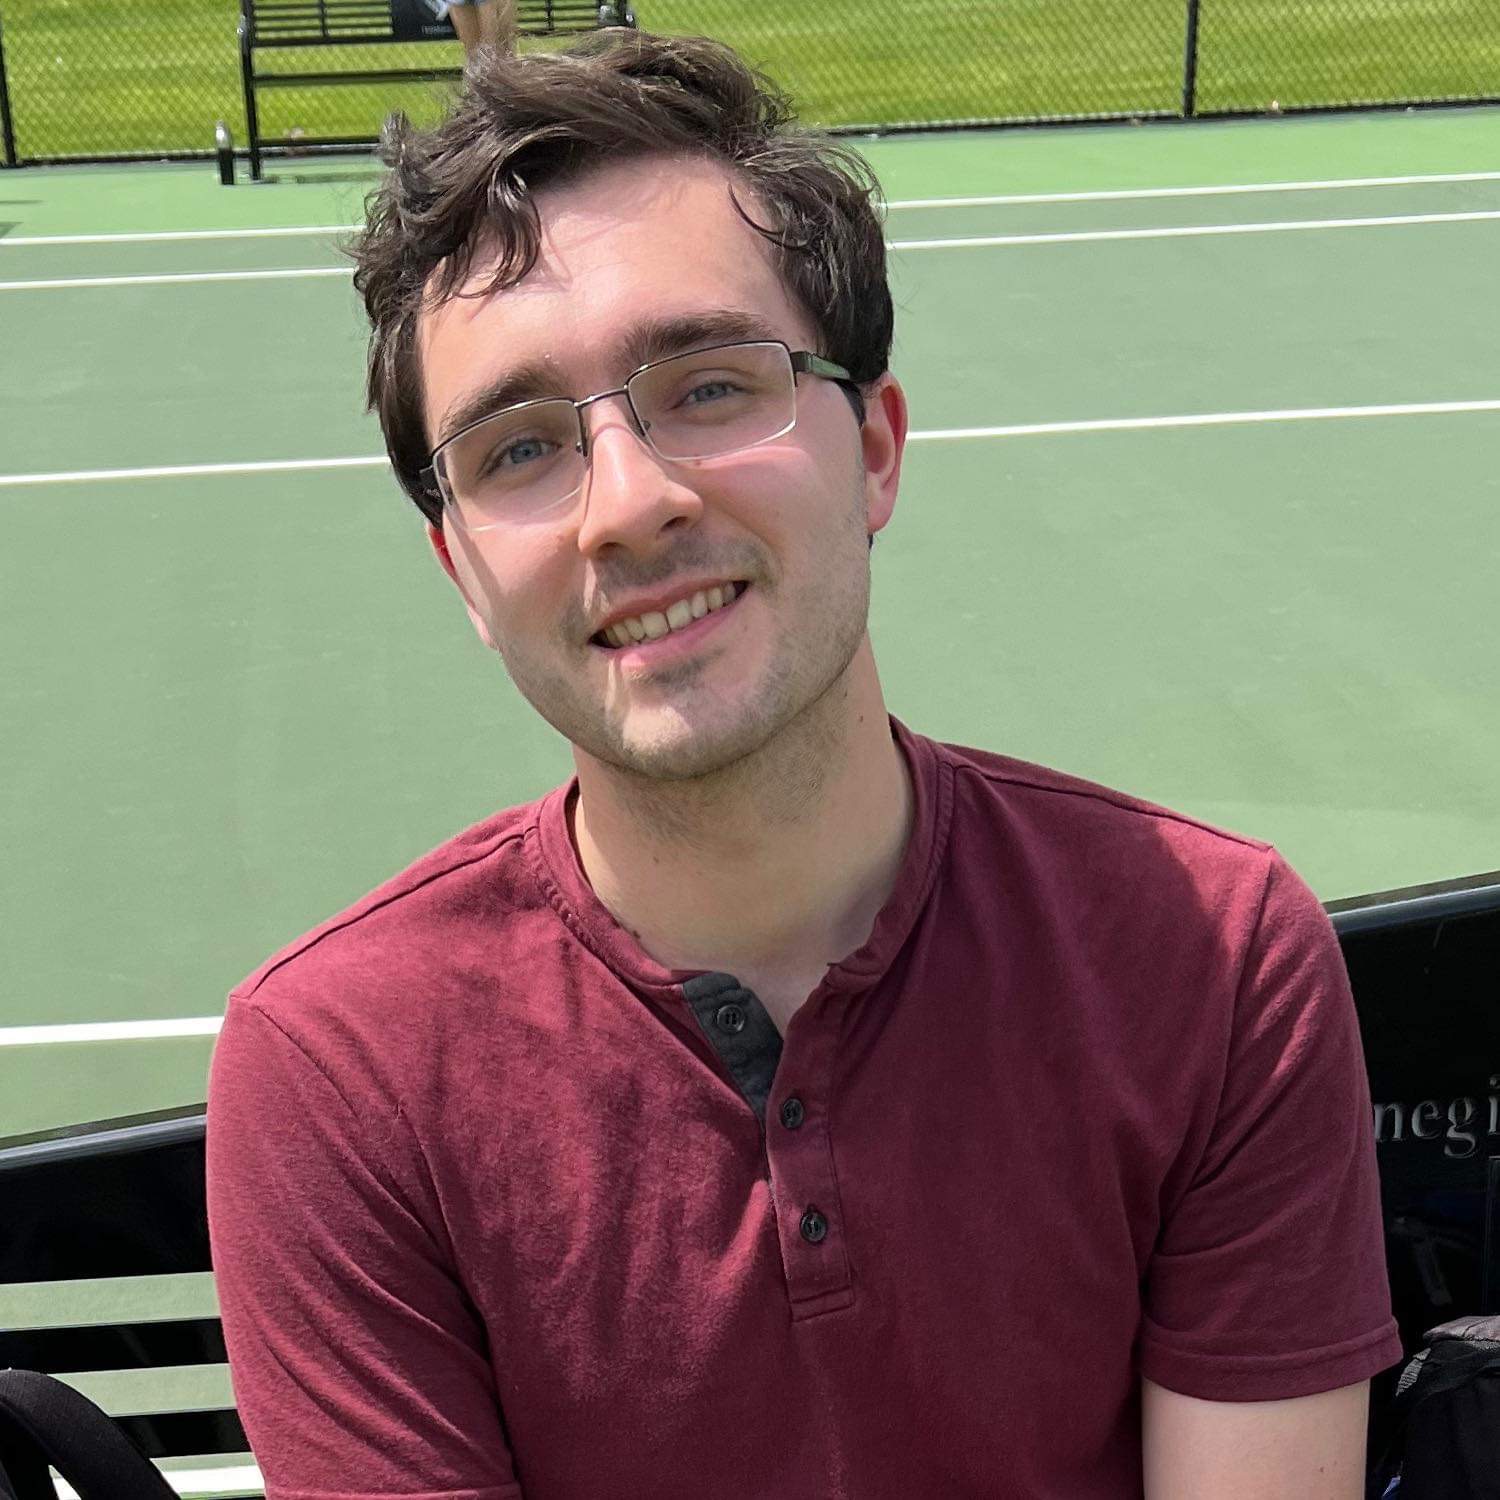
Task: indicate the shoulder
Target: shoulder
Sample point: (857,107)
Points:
(1078,816)
(1115,874)
(411,950)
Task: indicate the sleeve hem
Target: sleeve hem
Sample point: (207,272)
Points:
(489,1492)
(1270,1377)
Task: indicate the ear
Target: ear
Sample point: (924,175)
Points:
(439,544)
(883,443)
(459,572)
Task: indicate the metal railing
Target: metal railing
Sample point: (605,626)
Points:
(101,79)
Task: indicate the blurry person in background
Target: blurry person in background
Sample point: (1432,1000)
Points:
(481,23)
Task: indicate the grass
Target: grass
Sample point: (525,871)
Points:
(93,77)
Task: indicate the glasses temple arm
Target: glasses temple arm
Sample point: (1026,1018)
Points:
(429,497)
(807,363)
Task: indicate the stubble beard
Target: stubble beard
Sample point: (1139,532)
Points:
(775,747)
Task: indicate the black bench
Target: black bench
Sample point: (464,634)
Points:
(105,1273)
(269,25)
(106,1283)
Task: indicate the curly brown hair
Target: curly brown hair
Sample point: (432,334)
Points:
(529,122)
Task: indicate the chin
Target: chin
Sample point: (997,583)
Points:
(665,747)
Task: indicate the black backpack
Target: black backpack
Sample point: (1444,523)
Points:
(1444,1441)
(44,1422)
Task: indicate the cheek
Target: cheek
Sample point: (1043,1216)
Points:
(475,576)
(515,592)
(782,494)
(496,589)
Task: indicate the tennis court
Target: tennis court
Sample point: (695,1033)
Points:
(1201,503)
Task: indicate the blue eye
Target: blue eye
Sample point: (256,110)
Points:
(710,390)
(517,454)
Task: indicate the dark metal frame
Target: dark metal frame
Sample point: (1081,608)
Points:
(1190,62)
(7,126)
(315,14)
(1416,903)
(280,24)
(103,1138)
(802,362)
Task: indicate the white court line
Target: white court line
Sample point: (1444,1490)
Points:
(1121,194)
(165,280)
(1187,231)
(1029,429)
(158,236)
(109,1031)
(192,471)
(999,200)
(1205,419)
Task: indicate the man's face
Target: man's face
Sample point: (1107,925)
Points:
(629,253)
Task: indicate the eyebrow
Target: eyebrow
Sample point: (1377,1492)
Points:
(656,338)
(651,339)
(530,382)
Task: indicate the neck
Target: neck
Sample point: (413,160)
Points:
(774,867)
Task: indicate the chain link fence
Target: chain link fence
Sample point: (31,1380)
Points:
(105,78)
(1329,54)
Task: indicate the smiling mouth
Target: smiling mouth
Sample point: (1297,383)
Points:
(656,625)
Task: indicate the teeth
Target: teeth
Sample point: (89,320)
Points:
(655,624)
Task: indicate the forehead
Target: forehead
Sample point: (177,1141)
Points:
(630,244)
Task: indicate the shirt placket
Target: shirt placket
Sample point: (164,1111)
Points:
(791,1093)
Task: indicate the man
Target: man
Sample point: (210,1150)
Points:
(789,1106)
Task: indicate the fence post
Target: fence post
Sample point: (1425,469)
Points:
(7,129)
(1190,63)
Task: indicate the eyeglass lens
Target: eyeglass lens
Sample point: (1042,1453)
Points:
(521,462)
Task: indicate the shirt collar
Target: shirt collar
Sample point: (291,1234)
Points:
(555,863)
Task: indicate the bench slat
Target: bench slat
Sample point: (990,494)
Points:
(282,15)
(292,80)
(365,22)
(155,1392)
(214,1476)
(206,1476)
(103,1301)
(179,1461)
(299,10)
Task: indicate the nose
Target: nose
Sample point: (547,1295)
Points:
(631,497)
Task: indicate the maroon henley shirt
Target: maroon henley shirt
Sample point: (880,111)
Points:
(502,1207)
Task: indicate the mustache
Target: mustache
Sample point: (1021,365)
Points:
(618,579)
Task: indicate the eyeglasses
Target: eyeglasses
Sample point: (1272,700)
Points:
(526,462)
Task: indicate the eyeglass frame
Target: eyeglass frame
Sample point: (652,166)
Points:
(803,362)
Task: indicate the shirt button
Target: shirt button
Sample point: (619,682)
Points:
(730,1018)
(814,1227)
(793,1114)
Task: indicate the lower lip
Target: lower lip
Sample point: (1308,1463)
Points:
(675,644)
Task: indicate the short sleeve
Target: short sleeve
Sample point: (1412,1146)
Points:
(1268,1280)
(359,1364)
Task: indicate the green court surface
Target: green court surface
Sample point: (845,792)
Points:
(1201,503)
